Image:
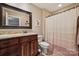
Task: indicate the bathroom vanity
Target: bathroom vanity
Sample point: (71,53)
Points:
(19,44)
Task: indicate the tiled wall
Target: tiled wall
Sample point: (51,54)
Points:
(61,33)
(13,31)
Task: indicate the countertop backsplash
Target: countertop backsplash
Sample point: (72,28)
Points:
(13,31)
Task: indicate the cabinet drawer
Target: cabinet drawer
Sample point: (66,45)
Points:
(8,42)
(33,37)
(24,39)
(4,43)
(13,41)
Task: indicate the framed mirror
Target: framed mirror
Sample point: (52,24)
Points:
(12,17)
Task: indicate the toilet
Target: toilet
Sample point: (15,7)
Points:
(43,45)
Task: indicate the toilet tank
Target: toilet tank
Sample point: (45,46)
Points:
(40,38)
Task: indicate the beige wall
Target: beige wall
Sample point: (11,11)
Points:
(36,17)
(45,13)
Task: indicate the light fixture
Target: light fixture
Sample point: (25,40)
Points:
(59,5)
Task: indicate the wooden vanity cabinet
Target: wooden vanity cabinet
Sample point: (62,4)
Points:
(9,47)
(20,46)
(29,45)
(25,46)
(34,45)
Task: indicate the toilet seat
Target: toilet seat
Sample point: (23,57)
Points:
(44,44)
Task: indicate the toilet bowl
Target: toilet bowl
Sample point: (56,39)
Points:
(44,44)
(41,42)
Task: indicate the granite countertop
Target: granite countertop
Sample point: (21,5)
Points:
(6,36)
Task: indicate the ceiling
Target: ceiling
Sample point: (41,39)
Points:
(51,6)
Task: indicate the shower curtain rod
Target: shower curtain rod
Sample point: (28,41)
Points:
(72,6)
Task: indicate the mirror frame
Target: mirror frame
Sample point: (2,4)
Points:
(17,9)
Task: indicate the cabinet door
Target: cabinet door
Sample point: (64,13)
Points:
(25,49)
(29,45)
(34,47)
(10,51)
(4,52)
(9,47)
(14,50)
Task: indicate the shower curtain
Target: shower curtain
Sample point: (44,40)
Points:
(60,33)
(78,37)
